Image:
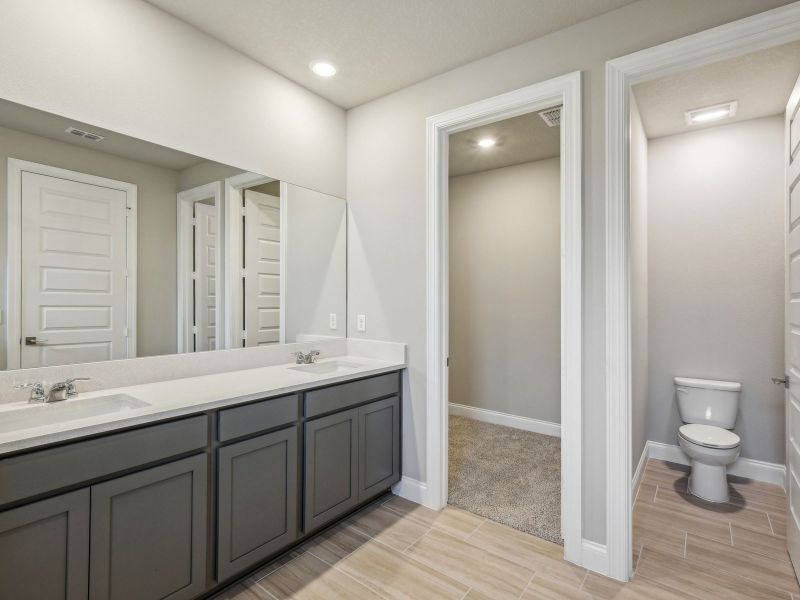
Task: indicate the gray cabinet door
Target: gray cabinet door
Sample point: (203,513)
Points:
(148,533)
(331,468)
(44,549)
(257,501)
(378,447)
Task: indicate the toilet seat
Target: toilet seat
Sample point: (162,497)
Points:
(709,436)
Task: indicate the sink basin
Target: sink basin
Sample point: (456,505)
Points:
(328,367)
(39,415)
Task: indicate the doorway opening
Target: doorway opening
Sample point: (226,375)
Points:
(561,92)
(699,231)
(504,309)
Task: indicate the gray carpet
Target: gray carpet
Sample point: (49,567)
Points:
(506,475)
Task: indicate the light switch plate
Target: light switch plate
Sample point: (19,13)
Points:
(332,321)
(361,322)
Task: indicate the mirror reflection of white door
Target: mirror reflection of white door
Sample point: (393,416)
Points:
(205,253)
(792,327)
(73,271)
(262,269)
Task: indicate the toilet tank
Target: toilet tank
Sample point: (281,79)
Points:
(707,401)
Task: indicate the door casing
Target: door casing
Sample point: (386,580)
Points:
(761,31)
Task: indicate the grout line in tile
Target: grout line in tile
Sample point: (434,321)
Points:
(359,583)
(265,590)
(288,562)
(469,589)
(685,543)
(730,527)
(769,520)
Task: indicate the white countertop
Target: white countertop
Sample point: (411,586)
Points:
(179,397)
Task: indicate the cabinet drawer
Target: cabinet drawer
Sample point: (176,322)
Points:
(49,470)
(343,396)
(259,416)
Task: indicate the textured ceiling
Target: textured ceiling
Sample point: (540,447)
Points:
(761,82)
(522,139)
(48,125)
(379,46)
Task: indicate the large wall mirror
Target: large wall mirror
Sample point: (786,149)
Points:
(117,248)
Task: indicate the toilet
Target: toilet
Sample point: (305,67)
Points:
(708,409)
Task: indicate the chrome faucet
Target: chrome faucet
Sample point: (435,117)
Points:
(64,389)
(306,359)
(61,390)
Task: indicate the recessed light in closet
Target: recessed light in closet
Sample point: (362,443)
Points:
(322,68)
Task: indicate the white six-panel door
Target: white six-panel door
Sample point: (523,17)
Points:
(73,282)
(205,274)
(792,330)
(262,274)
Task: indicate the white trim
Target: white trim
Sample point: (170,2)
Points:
(234,189)
(185,249)
(750,468)
(594,556)
(282,254)
(14,249)
(411,489)
(498,418)
(564,90)
(639,473)
(771,28)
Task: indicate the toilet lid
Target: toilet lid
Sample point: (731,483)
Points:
(709,436)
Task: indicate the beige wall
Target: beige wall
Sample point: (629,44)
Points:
(129,67)
(157,304)
(639,285)
(505,290)
(716,274)
(386,194)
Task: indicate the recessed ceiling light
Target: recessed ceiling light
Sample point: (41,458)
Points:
(323,69)
(707,114)
(486,142)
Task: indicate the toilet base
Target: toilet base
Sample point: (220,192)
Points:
(709,482)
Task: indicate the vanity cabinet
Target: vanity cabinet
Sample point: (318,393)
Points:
(178,508)
(44,549)
(148,533)
(257,500)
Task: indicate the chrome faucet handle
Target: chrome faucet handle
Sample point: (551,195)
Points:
(70,388)
(37,390)
(299,358)
(312,355)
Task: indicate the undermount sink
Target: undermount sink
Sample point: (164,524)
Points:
(328,367)
(39,415)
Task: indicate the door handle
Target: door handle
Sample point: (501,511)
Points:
(784,381)
(32,340)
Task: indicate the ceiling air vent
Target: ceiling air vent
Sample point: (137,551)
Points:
(92,137)
(551,116)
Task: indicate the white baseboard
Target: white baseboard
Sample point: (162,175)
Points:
(498,418)
(411,489)
(639,473)
(743,467)
(594,556)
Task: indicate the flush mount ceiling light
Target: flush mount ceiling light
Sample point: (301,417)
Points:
(322,68)
(707,114)
(486,142)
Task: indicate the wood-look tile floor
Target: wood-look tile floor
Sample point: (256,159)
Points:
(684,548)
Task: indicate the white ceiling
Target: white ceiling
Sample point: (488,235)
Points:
(49,125)
(760,82)
(379,46)
(522,139)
